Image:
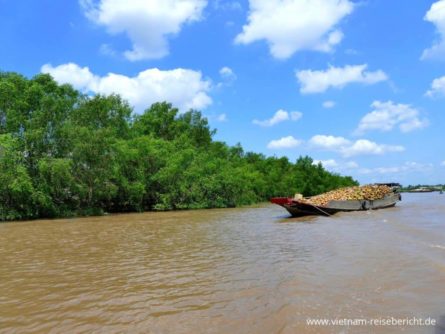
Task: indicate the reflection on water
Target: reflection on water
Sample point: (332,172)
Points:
(250,270)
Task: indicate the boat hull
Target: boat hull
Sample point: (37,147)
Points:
(298,208)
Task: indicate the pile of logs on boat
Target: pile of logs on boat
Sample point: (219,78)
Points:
(368,192)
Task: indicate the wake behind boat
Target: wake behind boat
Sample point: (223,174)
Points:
(369,197)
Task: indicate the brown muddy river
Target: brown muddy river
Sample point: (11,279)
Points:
(249,270)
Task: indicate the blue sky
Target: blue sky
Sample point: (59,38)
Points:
(357,85)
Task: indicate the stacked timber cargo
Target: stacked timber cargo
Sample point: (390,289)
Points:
(368,192)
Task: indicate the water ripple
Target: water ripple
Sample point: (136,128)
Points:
(245,270)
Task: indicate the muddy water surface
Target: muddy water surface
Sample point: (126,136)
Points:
(249,270)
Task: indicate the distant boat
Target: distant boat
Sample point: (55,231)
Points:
(302,207)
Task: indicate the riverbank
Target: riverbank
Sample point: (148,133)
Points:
(105,215)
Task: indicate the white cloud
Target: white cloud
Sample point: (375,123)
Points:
(283,143)
(442,163)
(147,23)
(348,148)
(328,104)
(336,166)
(406,167)
(436,15)
(185,89)
(79,77)
(337,77)
(289,26)
(228,77)
(280,116)
(364,146)
(328,142)
(226,73)
(387,115)
(437,87)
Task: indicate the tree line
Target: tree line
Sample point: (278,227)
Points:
(64,153)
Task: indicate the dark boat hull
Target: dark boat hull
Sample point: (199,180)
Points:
(299,208)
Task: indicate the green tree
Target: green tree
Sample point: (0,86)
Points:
(64,153)
(18,197)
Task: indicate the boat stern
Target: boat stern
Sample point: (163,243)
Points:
(281,201)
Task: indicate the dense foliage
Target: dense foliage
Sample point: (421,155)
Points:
(63,153)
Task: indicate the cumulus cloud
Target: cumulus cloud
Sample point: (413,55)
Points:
(147,23)
(437,87)
(328,104)
(348,148)
(328,142)
(436,15)
(79,77)
(289,26)
(387,115)
(283,143)
(337,77)
(185,89)
(364,146)
(280,116)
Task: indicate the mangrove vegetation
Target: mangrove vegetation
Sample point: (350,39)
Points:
(65,153)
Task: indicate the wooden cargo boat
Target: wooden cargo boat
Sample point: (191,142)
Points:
(302,207)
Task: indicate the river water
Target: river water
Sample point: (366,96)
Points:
(248,270)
